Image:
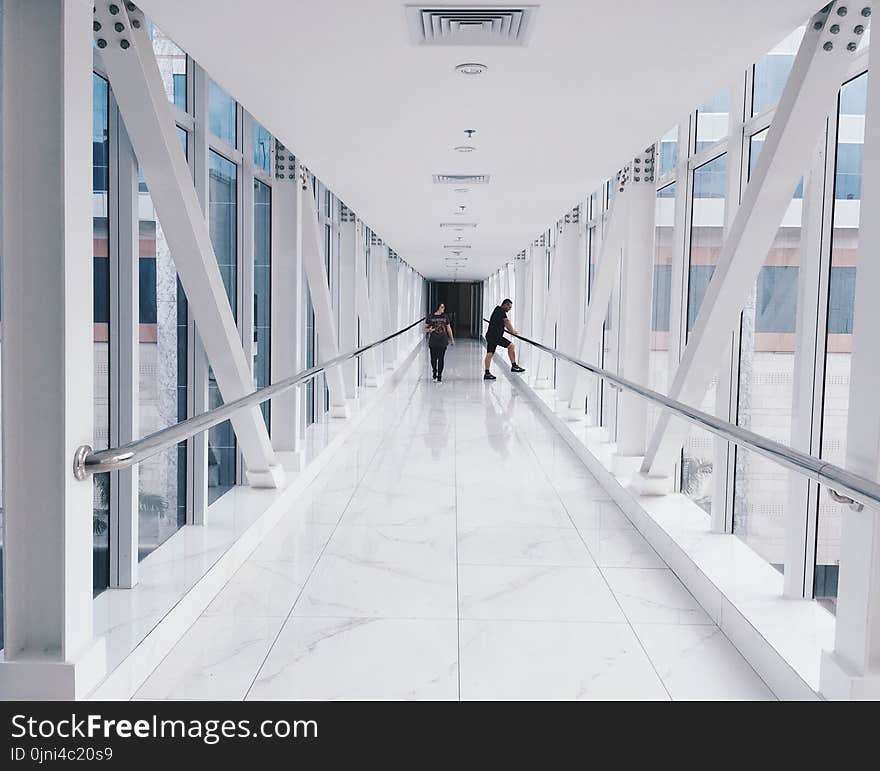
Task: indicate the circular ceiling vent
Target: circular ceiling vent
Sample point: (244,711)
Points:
(471,68)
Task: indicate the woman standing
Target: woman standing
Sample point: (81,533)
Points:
(439,336)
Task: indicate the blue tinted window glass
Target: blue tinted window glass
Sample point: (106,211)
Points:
(179,85)
(662,297)
(842,296)
(771,74)
(262,148)
(848,176)
(222,114)
(776,300)
(853,97)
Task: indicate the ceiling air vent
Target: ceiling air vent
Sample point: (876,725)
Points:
(470,25)
(459,179)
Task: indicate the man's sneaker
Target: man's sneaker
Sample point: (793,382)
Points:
(439,378)
(434,376)
(489,376)
(516,368)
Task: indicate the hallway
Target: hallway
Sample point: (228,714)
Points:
(455,549)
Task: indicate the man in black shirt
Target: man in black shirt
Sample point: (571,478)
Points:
(498,322)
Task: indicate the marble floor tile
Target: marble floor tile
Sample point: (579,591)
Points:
(419,546)
(536,593)
(293,541)
(654,596)
(216,659)
(361,658)
(542,660)
(345,587)
(699,662)
(622,548)
(261,589)
(522,546)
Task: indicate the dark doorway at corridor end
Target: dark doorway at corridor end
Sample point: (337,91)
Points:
(463,301)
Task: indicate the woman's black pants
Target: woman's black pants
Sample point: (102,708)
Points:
(438,353)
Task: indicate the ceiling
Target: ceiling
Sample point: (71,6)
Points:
(375,116)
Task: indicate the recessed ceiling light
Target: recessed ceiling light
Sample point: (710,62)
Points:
(458,225)
(471,68)
(462,190)
(465,148)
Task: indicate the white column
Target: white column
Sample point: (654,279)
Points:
(544,370)
(571,300)
(348,317)
(806,401)
(124,358)
(380,295)
(369,329)
(322,303)
(48,390)
(538,262)
(604,279)
(522,305)
(392,266)
(197,360)
(288,304)
(138,88)
(852,670)
(635,314)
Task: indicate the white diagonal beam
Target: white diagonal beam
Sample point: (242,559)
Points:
(369,361)
(570,314)
(347,277)
(319,290)
(140,94)
(607,267)
(819,68)
(551,316)
(852,670)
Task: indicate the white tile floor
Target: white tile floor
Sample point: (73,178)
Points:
(456,549)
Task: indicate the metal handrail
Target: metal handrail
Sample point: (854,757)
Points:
(88,461)
(842,485)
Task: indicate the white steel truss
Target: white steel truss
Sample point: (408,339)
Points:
(818,70)
(140,94)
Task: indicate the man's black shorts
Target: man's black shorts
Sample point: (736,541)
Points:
(491,345)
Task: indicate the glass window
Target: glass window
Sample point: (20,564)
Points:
(771,72)
(262,288)
(162,352)
(669,151)
(101,318)
(707,230)
(844,262)
(765,388)
(707,233)
(222,114)
(172,66)
(262,148)
(713,120)
(756,144)
(661,303)
(223,222)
